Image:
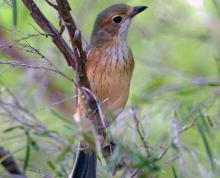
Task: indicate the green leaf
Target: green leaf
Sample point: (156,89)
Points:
(27,153)
(45,133)
(51,165)
(174,172)
(34,144)
(202,131)
(62,155)
(12,128)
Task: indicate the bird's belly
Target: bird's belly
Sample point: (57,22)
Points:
(112,89)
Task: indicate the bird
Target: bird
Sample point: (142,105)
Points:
(109,69)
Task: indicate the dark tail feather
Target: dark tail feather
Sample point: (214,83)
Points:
(85,165)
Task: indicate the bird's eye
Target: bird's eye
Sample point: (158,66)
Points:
(117,19)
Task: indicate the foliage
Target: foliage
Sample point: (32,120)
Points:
(170,127)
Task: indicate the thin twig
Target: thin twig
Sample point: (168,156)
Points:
(138,128)
(16,64)
(51,4)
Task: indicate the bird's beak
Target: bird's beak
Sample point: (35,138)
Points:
(136,10)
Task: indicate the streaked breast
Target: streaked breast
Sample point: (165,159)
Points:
(109,71)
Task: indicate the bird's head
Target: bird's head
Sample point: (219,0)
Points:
(112,23)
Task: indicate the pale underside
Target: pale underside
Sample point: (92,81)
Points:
(109,71)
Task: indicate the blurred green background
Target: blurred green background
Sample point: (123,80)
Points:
(174,94)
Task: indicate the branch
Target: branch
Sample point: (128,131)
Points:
(51,4)
(13,51)
(83,83)
(75,58)
(16,64)
(64,9)
(9,163)
(140,131)
(45,25)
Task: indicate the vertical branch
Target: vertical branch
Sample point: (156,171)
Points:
(75,58)
(64,9)
(83,85)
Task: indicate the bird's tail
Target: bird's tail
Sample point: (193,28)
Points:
(85,164)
